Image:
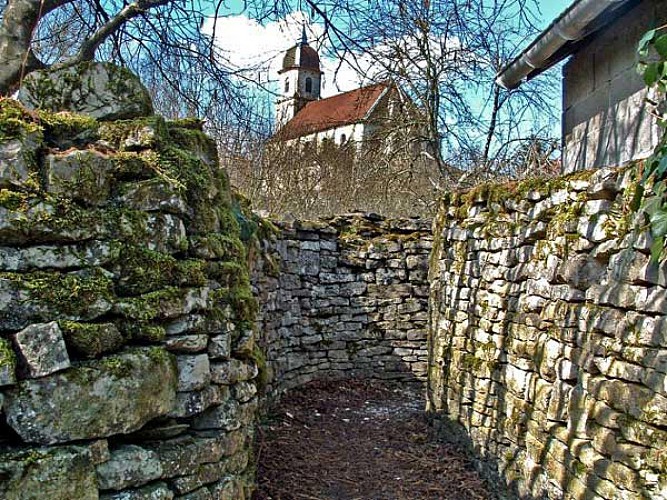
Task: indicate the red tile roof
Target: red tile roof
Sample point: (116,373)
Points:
(342,109)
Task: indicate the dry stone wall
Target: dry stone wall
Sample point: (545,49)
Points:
(127,357)
(548,336)
(344,297)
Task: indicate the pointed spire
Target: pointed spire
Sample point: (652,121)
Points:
(304,40)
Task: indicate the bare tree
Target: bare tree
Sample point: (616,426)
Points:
(445,54)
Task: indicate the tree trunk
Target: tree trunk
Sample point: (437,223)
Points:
(18,23)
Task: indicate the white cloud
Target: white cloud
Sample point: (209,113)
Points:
(257,50)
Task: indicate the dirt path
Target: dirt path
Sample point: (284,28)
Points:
(358,440)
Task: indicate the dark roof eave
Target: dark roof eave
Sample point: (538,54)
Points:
(563,36)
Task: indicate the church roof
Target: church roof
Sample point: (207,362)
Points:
(342,109)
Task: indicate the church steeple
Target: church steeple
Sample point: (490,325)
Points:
(301,80)
(304,39)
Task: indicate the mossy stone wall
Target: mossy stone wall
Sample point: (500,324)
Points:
(343,297)
(127,358)
(548,336)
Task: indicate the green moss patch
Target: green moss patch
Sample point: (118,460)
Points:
(90,340)
(16,121)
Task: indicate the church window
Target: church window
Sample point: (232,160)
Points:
(286,84)
(309,84)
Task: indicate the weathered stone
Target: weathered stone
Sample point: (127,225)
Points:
(183,455)
(157,491)
(95,253)
(41,350)
(84,175)
(194,402)
(244,391)
(129,466)
(115,395)
(18,158)
(193,372)
(226,416)
(186,343)
(220,346)
(101,90)
(90,340)
(40,297)
(154,195)
(233,371)
(58,473)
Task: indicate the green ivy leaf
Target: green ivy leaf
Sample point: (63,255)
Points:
(662,167)
(657,248)
(659,223)
(645,40)
(651,73)
(660,45)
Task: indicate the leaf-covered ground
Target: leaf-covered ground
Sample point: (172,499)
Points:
(358,440)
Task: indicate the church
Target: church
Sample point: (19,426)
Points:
(358,117)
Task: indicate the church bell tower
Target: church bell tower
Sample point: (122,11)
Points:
(300,80)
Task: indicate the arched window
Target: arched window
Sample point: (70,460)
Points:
(286,84)
(343,138)
(309,84)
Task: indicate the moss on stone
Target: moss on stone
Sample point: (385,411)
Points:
(142,331)
(230,274)
(7,356)
(16,121)
(150,306)
(150,132)
(70,294)
(66,125)
(142,270)
(263,376)
(90,340)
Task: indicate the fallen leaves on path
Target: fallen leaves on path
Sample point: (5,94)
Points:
(359,440)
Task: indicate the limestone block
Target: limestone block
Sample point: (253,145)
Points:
(84,175)
(118,394)
(100,90)
(596,229)
(40,297)
(226,416)
(41,350)
(244,391)
(235,370)
(154,195)
(603,184)
(57,473)
(580,271)
(186,343)
(157,491)
(129,466)
(95,253)
(194,402)
(244,345)
(90,340)
(206,474)
(18,157)
(633,399)
(193,372)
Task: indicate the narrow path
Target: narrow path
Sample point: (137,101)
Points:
(358,440)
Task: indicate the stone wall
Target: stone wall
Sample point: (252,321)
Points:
(344,297)
(548,336)
(127,358)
